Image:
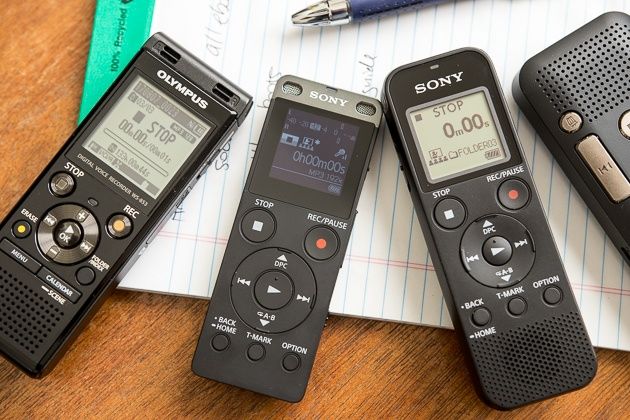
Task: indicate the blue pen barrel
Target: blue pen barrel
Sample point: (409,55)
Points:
(363,9)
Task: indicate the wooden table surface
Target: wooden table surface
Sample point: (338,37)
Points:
(134,357)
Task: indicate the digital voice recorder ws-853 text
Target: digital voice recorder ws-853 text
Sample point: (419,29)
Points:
(106,194)
(289,239)
(502,278)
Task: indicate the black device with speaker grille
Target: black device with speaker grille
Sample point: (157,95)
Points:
(576,94)
(289,239)
(106,194)
(495,258)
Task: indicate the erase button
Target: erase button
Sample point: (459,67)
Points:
(21,229)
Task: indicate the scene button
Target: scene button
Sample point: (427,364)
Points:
(258,225)
(450,213)
(321,243)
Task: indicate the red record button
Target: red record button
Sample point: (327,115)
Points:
(321,243)
(513,194)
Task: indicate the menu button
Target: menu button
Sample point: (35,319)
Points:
(20,256)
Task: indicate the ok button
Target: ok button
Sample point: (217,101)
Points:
(68,234)
(273,290)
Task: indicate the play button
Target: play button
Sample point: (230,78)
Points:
(273,290)
(497,250)
(68,234)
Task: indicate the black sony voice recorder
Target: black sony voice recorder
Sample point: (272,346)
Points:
(575,94)
(106,194)
(502,278)
(289,239)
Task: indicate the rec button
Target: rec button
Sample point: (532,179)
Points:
(119,226)
(258,225)
(321,243)
(513,194)
(450,213)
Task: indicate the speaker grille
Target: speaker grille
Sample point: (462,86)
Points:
(291,88)
(536,361)
(26,318)
(592,78)
(366,109)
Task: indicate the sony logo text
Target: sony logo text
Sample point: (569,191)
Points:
(439,82)
(327,98)
(182,88)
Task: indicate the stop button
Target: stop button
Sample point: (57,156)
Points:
(321,243)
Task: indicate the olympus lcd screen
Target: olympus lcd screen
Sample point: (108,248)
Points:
(146,137)
(458,135)
(314,151)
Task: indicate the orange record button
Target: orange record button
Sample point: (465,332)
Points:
(119,226)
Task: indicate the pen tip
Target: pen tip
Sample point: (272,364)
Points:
(315,14)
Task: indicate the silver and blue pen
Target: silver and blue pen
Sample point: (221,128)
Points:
(339,12)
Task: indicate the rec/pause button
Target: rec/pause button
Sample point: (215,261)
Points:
(258,225)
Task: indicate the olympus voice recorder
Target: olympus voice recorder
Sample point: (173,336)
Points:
(575,94)
(106,194)
(289,239)
(502,278)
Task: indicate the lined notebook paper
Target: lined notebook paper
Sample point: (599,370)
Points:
(387,273)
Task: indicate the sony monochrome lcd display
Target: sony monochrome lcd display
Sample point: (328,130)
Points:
(458,135)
